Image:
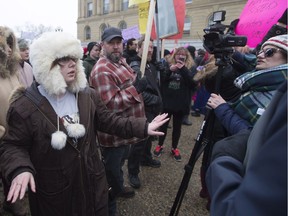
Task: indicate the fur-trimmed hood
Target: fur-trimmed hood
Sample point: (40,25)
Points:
(8,66)
(207,71)
(45,50)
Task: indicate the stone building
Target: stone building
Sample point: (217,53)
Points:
(95,15)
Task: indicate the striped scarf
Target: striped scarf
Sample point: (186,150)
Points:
(258,89)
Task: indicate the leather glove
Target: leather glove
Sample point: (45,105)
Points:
(141,84)
(233,146)
(159,66)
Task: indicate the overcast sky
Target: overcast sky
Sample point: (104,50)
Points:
(54,13)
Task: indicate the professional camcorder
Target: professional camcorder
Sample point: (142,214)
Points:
(216,41)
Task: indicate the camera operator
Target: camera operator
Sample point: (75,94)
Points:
(240,61)
(253,181)
(257,87)
(239,64)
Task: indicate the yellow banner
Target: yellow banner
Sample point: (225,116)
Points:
(143,12)
(136,2)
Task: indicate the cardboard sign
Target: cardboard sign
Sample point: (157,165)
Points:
(257,17)
(136,2)
(132,32)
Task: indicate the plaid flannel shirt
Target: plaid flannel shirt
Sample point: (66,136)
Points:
(114,83)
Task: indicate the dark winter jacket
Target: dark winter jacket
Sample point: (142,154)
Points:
(88,65)
(259,185)
(232,122)
(176,88)
(70,181)
(129,55)
(151,95)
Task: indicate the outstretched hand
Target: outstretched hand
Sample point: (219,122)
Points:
(19,185)
(156,123)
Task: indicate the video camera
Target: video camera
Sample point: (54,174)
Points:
(216,41)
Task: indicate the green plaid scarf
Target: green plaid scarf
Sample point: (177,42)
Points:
(258,89)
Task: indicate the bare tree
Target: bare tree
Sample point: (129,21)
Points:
(30,31)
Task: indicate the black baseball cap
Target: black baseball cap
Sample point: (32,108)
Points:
(110,33)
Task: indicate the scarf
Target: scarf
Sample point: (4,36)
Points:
(258,89)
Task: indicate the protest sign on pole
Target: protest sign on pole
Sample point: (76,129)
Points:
(168,11)
(132,32)
(147,35)
(258,17)
(136,2)
(143,14)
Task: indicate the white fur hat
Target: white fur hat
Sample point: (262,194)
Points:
(45,50)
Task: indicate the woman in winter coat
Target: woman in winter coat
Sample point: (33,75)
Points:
(257,87)
(51,143)
(176,86)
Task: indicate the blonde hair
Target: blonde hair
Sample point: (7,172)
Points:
(189,62)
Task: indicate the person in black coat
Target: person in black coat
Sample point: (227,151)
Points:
(148,85)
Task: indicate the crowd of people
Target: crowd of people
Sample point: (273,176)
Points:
(69,121)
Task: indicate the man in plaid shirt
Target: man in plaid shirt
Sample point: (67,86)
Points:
(115,81)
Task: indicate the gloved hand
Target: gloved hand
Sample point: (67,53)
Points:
(141,84)
(233,146)
(159,66)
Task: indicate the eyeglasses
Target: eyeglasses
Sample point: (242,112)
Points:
(268,52)
(64,60)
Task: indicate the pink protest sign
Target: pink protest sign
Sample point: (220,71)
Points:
(257,17)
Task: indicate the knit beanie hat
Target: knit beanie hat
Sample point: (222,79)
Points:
(23,44)
(90,46)
(280,41)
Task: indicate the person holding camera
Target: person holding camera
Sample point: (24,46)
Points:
(176,85)
(257,87)
(250,177)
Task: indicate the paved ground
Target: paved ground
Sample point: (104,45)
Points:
(160,185)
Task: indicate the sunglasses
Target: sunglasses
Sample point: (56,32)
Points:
(268,52)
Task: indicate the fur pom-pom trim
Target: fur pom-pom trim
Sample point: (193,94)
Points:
(75,130)
(58,140)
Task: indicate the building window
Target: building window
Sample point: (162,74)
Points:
(87,33)
(124,5)
(89,9)
(188,1)
(187,26)
(102,27)
(106,6)
(122,25)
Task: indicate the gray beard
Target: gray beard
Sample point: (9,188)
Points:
(114,58)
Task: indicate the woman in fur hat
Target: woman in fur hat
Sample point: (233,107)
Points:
(51,143)
(9,81)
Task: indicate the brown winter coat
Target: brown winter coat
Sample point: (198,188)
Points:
(70,181)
